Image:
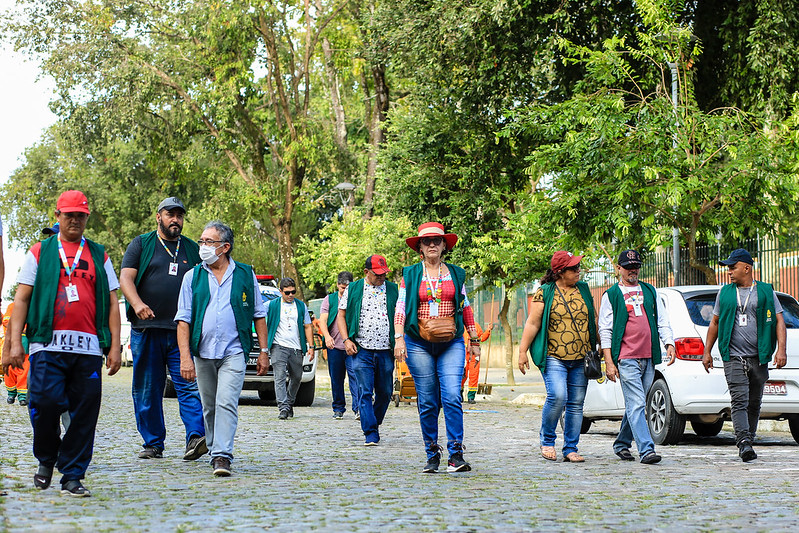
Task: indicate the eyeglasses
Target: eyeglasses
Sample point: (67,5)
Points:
(432,241)
(209,242)
(289,293)
(575,268)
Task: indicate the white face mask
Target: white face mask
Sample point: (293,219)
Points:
(208,254)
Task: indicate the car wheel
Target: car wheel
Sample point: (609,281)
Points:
(266,395)
(169,390)
(586,425)
(793,423)
(665,424)
(703,429)
(306,393)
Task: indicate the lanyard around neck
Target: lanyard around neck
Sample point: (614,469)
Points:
(177,250)
(738,296)
(63,255)
(431,288)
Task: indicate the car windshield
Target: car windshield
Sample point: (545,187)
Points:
(700,309)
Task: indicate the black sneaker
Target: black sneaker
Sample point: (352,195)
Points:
(195,449)
(43,477)
(221,466)
(338,415)
(625,455)
(746,452)
(10,400)
(75,488)
(457,464)
(432,464)
(650,458)
(23,402)
(284,414)
(150,452)
(291,412)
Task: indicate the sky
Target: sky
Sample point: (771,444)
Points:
(25,115)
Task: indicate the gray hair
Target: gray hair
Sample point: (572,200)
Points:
(345,277)
(225,233)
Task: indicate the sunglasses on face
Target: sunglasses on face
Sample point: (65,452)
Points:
(289,293)
(575,268)
(432,241)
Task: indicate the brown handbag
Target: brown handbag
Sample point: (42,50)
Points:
(439,329)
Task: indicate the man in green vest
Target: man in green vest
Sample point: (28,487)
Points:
(152,271)
(67,300)
(632,324)
(339,364)
(366,320)
(748,323)
(290,335)
(219,301)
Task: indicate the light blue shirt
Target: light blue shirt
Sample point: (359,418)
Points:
(219,337)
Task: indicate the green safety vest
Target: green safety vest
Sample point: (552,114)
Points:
(353,312)
(620,316)
(766,320)
(242,300)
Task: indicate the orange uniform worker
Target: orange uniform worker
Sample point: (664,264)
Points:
(16,379)
(471,370)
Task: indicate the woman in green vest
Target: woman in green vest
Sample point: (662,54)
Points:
(433,313)
(565,305)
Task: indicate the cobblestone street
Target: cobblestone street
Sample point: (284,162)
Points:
(313,472)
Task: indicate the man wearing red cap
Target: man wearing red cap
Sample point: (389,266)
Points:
(67,300)
(365,320)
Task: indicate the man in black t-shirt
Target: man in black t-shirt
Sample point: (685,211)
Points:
(152,271)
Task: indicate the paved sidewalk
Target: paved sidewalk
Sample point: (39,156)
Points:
(313,473)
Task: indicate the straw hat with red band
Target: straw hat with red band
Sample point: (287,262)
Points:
(563,259)
(432,229)
(72,202)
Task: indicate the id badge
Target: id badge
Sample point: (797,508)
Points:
(72,293)
(433,309)
(743,320)
(637,309)
(173,269)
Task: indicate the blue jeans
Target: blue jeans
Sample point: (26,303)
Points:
(566,383)
(155,352)
(636,376)
(220,382)
(61,382)
(340,364)
(437,369)
(374,370)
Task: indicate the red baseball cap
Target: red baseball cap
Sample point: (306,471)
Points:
(72,202)
(377,264)
(563,259)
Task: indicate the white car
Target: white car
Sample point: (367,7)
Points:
(684,392)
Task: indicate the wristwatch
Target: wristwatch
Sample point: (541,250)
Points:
(398,335)
(265,350)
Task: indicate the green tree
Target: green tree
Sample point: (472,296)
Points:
(345,245)
(627,166)
(237,76)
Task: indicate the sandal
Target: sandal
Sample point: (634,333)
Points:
(548,453)
(573,457)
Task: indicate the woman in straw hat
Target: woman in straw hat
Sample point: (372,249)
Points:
(432,313)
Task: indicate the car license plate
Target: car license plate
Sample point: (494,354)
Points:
(777,388)
(252,361)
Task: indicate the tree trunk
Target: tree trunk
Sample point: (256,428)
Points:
(503,319)
(335,94)
(376,135)
(693,261)
(285,247)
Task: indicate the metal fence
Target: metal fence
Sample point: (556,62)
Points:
(776,262)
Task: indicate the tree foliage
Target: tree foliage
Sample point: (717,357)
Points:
(627,166)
